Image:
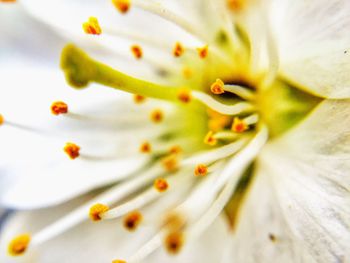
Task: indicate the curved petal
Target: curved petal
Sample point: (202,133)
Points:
(313,41)
(309,168)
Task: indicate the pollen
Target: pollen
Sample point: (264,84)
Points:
(19,245)
(178,50)
(92,27)
(157,115)
(145,147)
(174,242)
(72,150)
(184,96)
(2,119)
(203,51)
(201,170)
(170,162)
(132,220)
(239,125)
(161,185)
(96,211)
(138,99)
(59,107)
(136,50)
(123,6)
(209,139)
(217,87)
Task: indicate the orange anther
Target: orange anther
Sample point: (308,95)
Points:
(139,98)
(132,220)
(145,147)
(97,210)
(72,150)
(123,6)
(136,51)
(161,185)
(239,125)
(174,242)
(178,49)
(157,115)
(59,107)
(203,51)
(209,139)
(201,170)
(92,26)
(184,96)
(19,245)
(217,87)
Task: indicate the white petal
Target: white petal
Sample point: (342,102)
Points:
(313,38)
(262,233)
(309,168)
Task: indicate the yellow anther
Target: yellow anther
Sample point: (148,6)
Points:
(235,5)
(19,245)
(178,49)
(92,26)
(59,107)
(175,149)
(2,120)
(203,51)
(132,220)
(136,50)
(187,72)
(184,96)
(122,5)
(161,185)
(201,170)
(138,99)
(174,242)
(239,125)
(72,150)
(145,147)
(157,115)
(217,87)
(217,121)
(7,1)
(96,211)
(170,162)
(209,139)
(118,261)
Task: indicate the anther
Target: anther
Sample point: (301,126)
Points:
(217,87)
(178,49)
(7,1)
(176,149)
(239,125)
(209,139)
(59,107)
(203,51)
(72,150)
(118,261)
(19,245)
(184,96)
(92,26)
(187,72)
(122,5)
(136,51)
(138,99)
(201,170)
(145,147)
(96,211)
(132,220)
(170,162)
(2,119)
(174,242)
(161,185)
(235,5)
(157,115)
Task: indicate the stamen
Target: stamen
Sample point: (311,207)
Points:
(138,99)
(174,242)
(118,261)
(132,220)
(161,185)
(2,119)
(178,49)
(217,87)
(72,150)
(175,149)
(235,5)
(136,51)
(97,210)
(201,170)
(92,26)
(19,245)
(157,115)
(203,51)
(7,1)
(226,135)
(145,147)
(170,163)
(59,107)
(184,96)
(209,139)
(239,125)
(123,6)
(239,91)
(80,69)
(222,108)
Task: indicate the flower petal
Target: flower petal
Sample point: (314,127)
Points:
(309,168)
(313,40)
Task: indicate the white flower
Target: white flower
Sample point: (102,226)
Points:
(254,93)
